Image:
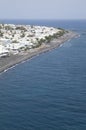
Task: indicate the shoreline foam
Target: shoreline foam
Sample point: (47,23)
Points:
(13,60)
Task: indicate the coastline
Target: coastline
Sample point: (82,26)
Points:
(9,62)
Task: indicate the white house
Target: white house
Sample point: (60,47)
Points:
(3,51)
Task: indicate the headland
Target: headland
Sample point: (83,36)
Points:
(19,43)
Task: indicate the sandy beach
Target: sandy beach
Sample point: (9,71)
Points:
(12,60)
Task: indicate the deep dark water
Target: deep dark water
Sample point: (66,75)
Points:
(47,92)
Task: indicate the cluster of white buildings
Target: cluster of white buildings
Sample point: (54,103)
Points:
(15,37)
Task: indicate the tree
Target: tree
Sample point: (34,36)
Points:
(22,35)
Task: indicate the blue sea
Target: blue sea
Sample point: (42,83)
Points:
(47,92)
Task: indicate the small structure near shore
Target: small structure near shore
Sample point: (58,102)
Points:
(3,51)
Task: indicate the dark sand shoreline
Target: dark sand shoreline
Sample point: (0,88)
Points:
(8,62)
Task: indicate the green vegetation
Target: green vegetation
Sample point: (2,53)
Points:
(21,28)
(8,27)
(30,35)
(22,35)
(1,27)
(36,45)
(12,35)
(6,37)
(1,33)
(49,38)
(14,41)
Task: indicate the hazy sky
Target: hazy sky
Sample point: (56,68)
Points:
(42,9)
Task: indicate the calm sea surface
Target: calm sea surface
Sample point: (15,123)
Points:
(47,92)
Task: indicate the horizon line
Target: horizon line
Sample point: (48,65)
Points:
(40,19)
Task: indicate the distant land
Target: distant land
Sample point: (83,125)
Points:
(21,42)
